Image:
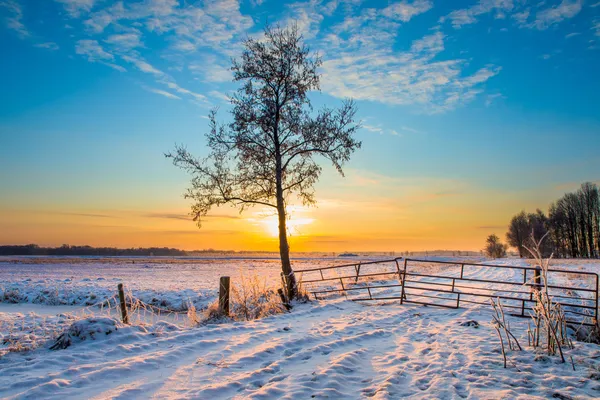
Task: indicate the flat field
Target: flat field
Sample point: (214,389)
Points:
(331,348)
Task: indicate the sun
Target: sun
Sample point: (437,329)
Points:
(294,225)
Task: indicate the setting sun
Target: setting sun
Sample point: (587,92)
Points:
(271,225)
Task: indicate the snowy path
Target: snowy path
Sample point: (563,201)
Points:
(321,350)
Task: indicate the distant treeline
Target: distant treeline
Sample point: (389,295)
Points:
(572,226)
(66,250)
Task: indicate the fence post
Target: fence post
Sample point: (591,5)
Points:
(123,306)
(224,295)
(537,277)
(402,294)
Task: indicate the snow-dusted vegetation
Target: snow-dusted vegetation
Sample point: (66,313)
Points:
(332,348)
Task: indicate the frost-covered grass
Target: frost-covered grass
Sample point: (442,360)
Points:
(322,349)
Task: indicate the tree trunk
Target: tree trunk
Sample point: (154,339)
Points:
(284,252)
(284,248)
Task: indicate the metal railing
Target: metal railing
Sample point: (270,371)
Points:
(450,284)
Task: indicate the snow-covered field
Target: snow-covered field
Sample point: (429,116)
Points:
(322,349)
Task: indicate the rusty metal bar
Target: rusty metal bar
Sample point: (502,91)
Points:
(439,288)
(348,265)
(402,293)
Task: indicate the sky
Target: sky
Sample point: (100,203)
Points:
(471,111)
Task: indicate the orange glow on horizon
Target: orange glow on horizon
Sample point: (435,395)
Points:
(359,214)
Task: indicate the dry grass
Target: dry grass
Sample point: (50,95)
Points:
(252,299)
(549,331)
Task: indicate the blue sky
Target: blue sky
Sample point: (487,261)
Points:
(494,102)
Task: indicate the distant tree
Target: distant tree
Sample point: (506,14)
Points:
(266,155)
(521,228)
(538,229)
(494,248)
(518,231)
(574,223)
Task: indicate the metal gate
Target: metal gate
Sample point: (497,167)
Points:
(452,284)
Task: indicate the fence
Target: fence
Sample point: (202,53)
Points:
(450,284)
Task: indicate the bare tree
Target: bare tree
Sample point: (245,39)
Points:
(266,155)
(574,222)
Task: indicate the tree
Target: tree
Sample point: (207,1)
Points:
(266,155)
(494,248)
(523,226)
(518,230)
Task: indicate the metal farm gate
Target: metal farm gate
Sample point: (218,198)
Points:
(450,284)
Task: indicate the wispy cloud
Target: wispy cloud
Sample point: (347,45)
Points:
(555,14)
(467,16)
(185,217)
(218,95)
(143,66)
(125,41)
(596,26)
(76,8)
(162,93)
(408,129)
(492,98)
(15,17)
(212,69)
(415,76)
(92,50)
(66,213)
(47,45)
(539,16)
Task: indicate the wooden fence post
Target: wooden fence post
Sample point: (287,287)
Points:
(537,278)
(124,316)
(224,295)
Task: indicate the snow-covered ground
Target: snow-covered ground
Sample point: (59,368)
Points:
(322,349)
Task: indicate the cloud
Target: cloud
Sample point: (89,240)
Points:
(371,128)
(408,129)
(219,95)
(162,78)
(92,50)
(66,213)
(14,19)
(76,8)
(162,93)
(467,16)
(519,11)
(47,45)
(212,69)
(553,15)
(185,217)
(214,24)
(125,41)
(306,16)
(596,26)
(491,98)
(405,10)
(143,66)
(573,34)
(413,77)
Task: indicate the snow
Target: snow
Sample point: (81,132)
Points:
(322,349)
